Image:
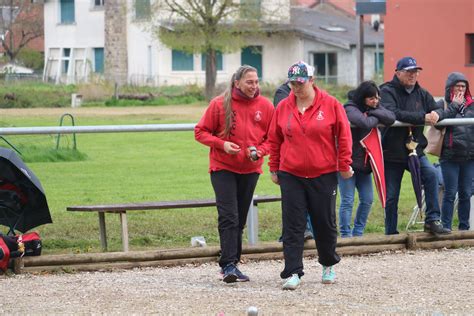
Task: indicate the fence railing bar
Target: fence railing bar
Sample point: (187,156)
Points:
(158,128)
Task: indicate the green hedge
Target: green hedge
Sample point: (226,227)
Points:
(46,95)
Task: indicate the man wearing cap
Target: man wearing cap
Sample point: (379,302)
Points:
(411,104)
(310,141)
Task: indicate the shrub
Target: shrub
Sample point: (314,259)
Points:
(31,59)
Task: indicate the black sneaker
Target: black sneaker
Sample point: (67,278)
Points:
(240,276)
(230,274)
(436,228)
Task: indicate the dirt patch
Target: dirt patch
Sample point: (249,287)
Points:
(420,282)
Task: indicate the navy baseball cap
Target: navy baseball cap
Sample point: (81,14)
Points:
(407,63)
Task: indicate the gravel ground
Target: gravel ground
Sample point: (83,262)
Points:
(420,282)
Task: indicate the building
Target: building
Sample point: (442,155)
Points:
(89,39)
(441,39)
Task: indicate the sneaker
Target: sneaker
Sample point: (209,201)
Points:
(436,228)
(292,283)
(329,275)
(230,274)
(240,276)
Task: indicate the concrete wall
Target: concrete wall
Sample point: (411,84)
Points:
(81,36)
(87,31)
(433,32)
(346,61)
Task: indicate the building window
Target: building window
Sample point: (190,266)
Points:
(67,11)
(326,66)
(378,58)
(251,9)
(99,3)
(99,60)
(470,49)
(181,61)
(142,9)
(65,63)
(218,61)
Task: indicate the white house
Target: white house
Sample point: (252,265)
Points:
(82,40)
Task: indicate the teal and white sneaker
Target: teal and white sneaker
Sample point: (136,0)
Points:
(292,283)
(329,275)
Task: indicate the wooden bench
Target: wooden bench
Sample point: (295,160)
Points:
(122,209)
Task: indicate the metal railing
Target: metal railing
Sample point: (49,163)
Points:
(252,220)
(158,128)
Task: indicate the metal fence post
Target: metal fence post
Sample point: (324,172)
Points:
(252,223)
(471,215)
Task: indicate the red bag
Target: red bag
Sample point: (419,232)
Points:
(28,244)
(32,243)
(4,255)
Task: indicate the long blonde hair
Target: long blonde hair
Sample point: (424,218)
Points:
(228,96)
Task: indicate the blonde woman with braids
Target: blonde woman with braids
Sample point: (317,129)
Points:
(235,126)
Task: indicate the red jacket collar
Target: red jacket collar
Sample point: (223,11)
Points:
(320,95)
(238,95)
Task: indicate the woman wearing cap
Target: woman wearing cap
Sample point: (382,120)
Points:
(235,126)
(457,154)
(310,141)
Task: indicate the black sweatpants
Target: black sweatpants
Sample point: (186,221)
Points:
(234,194)
(318,196)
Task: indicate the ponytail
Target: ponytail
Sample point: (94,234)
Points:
(228,114)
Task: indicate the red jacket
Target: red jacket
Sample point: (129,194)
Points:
(310,144)
(251,122)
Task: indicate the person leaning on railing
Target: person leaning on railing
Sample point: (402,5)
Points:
(457,154)
(411,104)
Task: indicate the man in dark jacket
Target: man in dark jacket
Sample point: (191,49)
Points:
(411,104)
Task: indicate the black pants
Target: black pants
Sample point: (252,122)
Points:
(234,194)
(318,196)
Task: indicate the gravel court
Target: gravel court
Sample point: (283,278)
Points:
(418,282)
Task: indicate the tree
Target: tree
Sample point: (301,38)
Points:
(208,27)
(21,21)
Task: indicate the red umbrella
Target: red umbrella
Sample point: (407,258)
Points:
(373,146)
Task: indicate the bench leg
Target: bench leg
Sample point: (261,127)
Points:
(102,231)
(123,222)
(252,224)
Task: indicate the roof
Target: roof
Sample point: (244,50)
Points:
(322,27)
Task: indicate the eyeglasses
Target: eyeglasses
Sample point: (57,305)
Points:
(460,86)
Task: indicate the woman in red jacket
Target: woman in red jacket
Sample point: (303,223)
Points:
(310,141)
(235,127)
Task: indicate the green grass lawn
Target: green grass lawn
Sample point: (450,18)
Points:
(139,167)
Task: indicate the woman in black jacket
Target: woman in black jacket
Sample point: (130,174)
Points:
(364,113)
(457,155)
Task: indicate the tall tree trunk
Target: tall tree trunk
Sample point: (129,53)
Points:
(115,46)
(211,73)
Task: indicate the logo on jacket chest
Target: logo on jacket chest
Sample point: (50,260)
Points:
(258,116)
(320,116)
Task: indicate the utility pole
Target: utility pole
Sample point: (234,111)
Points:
(360,48)
(365,7)
(10,23)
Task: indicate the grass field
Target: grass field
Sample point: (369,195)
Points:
(139,167)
